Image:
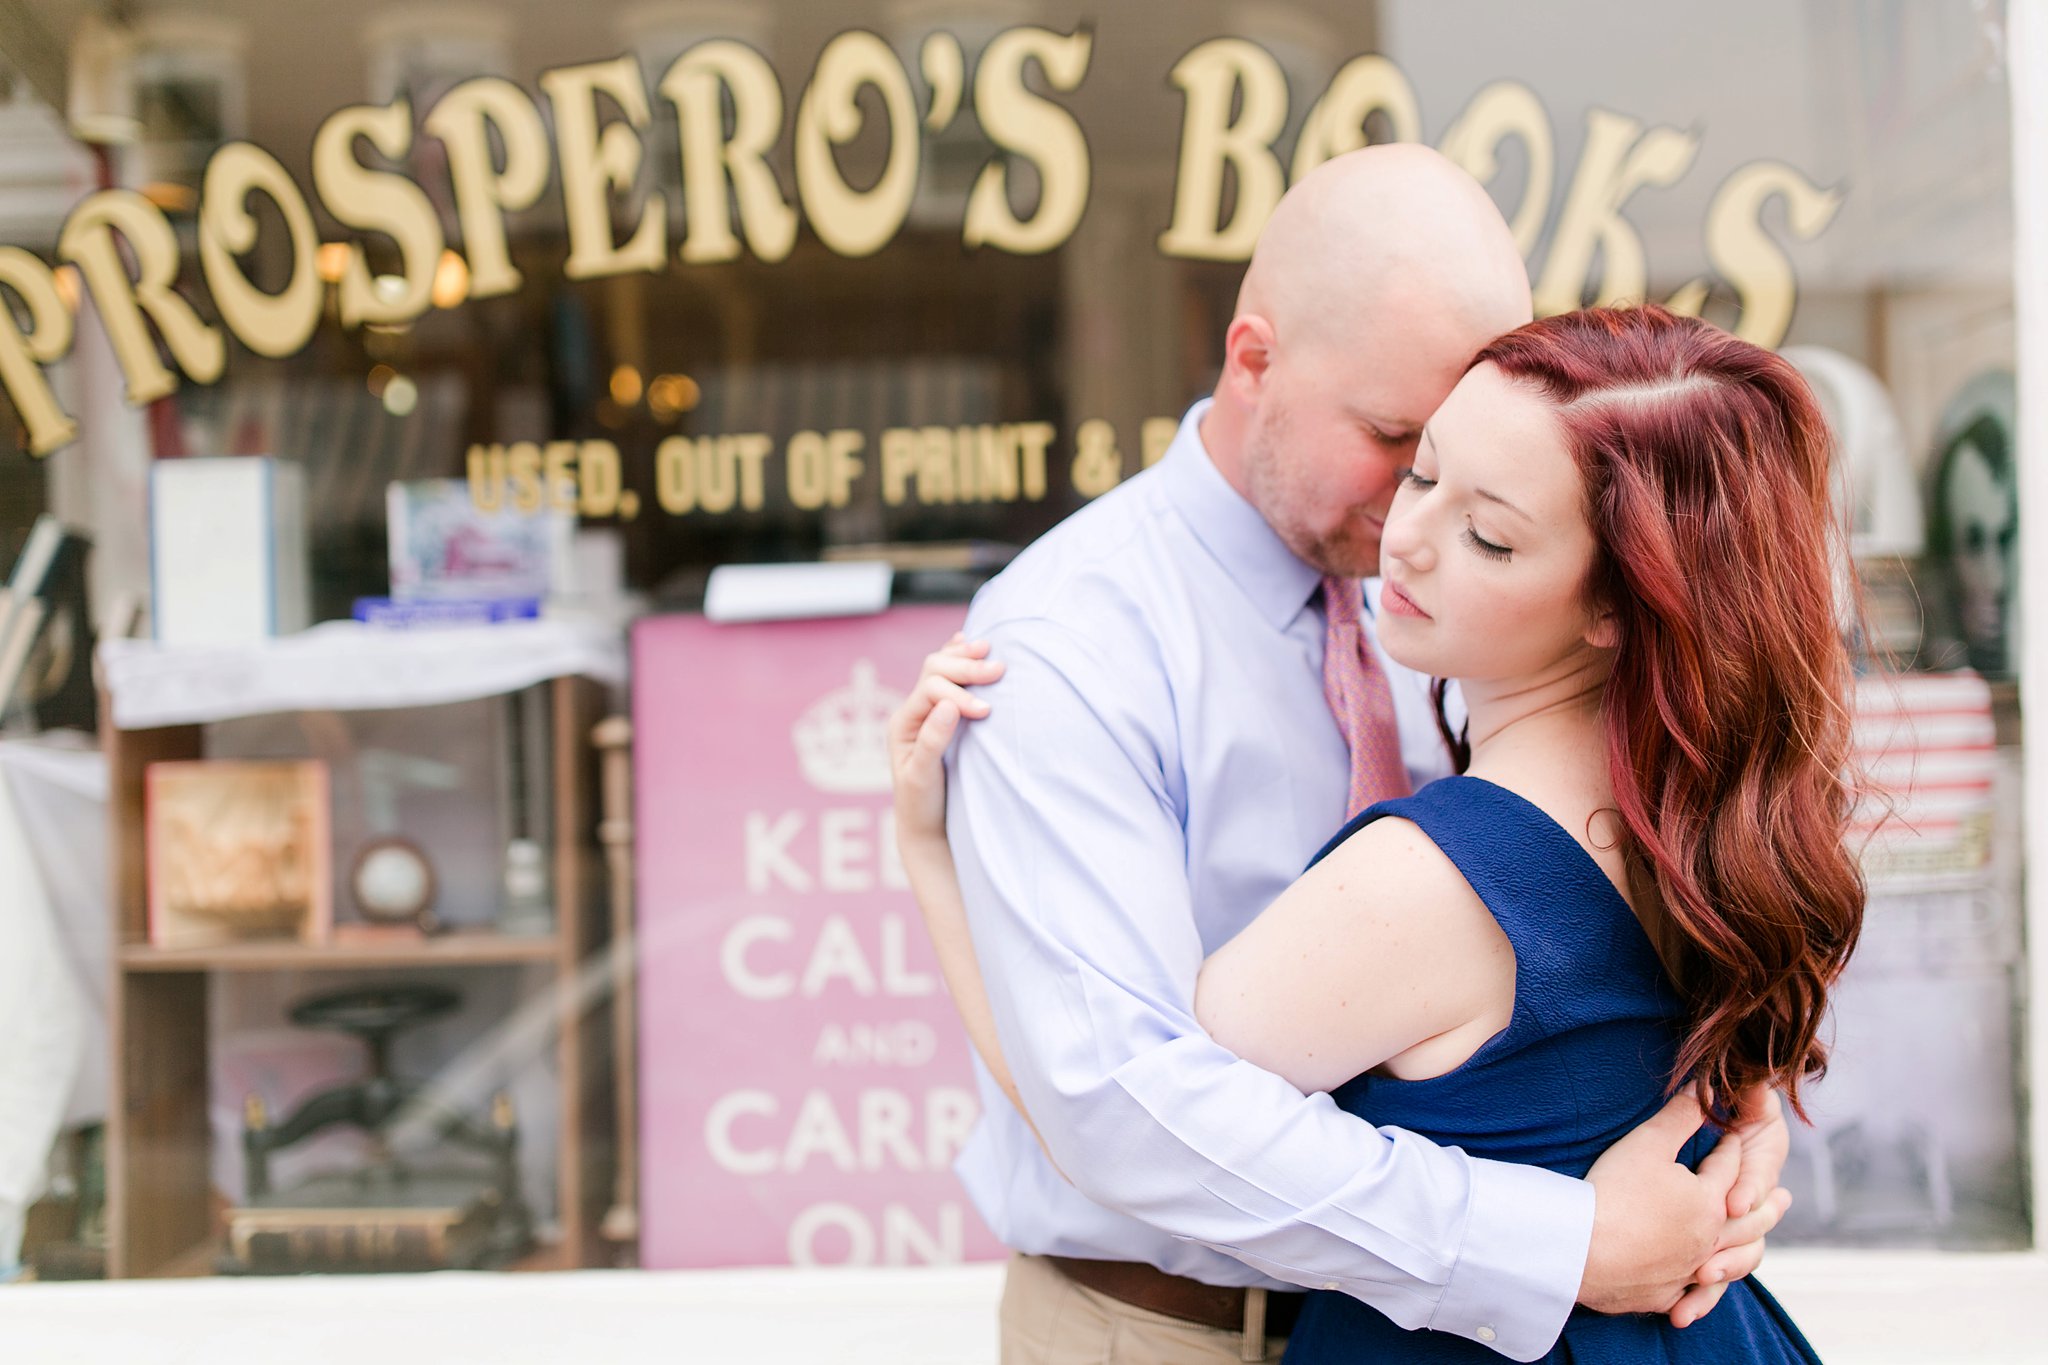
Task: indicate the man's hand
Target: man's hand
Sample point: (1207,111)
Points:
(1765,1142)
(1657,1225)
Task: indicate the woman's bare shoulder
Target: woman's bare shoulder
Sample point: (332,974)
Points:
(1391,846)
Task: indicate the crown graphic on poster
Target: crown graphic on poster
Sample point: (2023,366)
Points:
(842,741)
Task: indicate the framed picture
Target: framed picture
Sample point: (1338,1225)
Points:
(238,850)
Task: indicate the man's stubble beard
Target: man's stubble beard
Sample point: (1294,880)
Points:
(1279,486)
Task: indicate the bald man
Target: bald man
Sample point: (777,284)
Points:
(1161,760)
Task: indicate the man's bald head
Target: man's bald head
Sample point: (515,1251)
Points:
(1395,234)
(1377,279)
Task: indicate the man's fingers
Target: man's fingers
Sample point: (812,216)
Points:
(1674,1124)
(1766,1142)
(1760,1123)
(1737,1262)
(1695,1303)
(1755,1225)
(1758,1105)
(1721,1168)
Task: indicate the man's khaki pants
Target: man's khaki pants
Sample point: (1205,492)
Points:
(1050,1320)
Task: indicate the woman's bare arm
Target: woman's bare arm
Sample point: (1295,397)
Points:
(1380,955)
(918,735)
(1381,950)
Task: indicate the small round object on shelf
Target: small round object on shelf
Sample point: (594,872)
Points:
(392,882)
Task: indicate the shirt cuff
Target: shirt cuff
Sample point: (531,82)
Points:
(1518,1273)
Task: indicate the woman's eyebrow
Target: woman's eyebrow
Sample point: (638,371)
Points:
(1429,440)
(1497,498)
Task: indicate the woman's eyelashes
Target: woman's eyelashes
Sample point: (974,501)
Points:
(1421,484)
(1484,546)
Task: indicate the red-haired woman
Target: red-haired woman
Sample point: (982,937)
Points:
(1617,538)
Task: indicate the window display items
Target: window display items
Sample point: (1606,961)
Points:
(46,631)
(392,885)
(1876,490)
(237,850)
(444,546)
(528,908)
(1926,745)
(526,778)
(391,614)
(55,684)
(227,550)
(1973,523)
(456,1206)
(66,1236)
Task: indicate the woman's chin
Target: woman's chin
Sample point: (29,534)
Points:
(1401,639)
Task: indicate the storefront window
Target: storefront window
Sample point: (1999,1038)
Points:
(682,285)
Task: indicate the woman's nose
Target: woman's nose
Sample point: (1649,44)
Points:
(1405,540)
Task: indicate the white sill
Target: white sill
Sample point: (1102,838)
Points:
(1887,1307)
(1860,1308)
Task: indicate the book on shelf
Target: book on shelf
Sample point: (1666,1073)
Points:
(34,567)
(46,629)
(21,621)
(453,1227)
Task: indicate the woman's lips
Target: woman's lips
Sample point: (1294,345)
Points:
(1400,603)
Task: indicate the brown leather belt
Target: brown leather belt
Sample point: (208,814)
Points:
(1209,1305)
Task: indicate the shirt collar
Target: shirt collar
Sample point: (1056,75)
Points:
(1278,582)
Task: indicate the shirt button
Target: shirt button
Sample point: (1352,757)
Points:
(1331,1284)
(1485,1334)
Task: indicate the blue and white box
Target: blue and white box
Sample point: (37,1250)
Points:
(227,549)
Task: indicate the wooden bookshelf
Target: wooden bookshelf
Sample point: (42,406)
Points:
(445,950)
(161,1219)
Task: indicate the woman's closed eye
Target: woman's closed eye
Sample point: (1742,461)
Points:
(1485,546)
(1410,477)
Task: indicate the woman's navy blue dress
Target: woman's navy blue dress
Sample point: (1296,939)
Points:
(1585,1058)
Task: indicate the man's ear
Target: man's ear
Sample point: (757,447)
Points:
(1247,355)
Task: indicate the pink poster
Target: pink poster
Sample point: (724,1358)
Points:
(805,1084)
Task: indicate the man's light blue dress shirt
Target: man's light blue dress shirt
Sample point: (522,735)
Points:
(1159,764)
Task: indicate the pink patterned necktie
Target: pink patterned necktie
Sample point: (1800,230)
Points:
(1356,687)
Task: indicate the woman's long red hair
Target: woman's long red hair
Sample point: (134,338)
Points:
(1706,468)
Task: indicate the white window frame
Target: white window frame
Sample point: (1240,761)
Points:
(2027,58)
(1883,1306)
